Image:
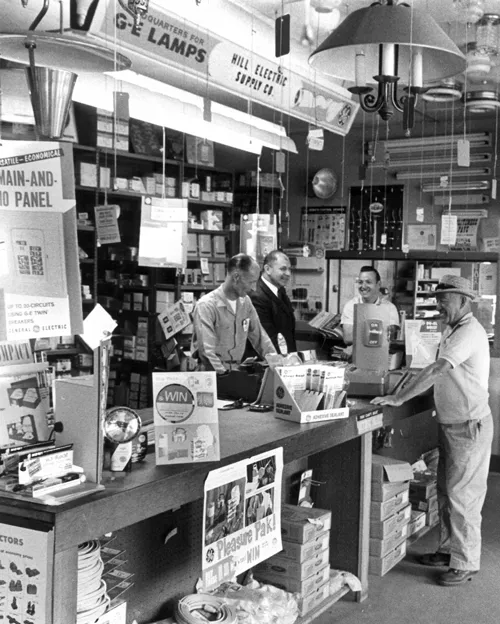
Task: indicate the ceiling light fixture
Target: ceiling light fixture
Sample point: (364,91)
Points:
(480,185)
(469,11)
(454,173)
(419,162)
(447,90)
(482,101)
(487,34)
(476,139)
(383,44)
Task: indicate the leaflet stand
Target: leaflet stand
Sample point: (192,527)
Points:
(80,405)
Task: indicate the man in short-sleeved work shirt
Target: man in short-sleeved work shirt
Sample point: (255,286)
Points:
(224,318)
(460,379)
(368,292)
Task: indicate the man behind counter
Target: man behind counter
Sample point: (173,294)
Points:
(460,379)
(369,292)
(224,318)
(272,303)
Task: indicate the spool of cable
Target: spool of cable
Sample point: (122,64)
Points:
(196,607)
(92,599)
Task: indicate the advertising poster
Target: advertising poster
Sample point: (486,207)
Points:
(163,234)
(165,39)
(39,276)
(186,419)
(24,574)
(241,516)
(422,338)
(324,226)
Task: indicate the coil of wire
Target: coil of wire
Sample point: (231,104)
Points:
(196,608)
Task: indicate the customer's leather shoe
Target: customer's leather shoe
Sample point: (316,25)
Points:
(455,577)
(436,559)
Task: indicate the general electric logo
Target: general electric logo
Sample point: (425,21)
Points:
(280,393)
(210,555)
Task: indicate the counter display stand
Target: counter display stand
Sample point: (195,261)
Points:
(146,504)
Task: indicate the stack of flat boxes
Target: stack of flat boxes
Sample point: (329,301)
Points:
(303,566)
(390,513)
(423,498)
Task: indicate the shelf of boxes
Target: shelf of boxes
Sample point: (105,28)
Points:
(303,565)
(390,513)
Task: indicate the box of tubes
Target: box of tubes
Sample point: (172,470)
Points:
(310,393)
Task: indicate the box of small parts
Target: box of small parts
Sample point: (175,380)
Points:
(310,393)
(302,552)
(417,522)
(302,524)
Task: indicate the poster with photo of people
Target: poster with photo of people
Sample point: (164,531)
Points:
(241,512)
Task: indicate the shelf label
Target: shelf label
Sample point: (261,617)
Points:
(369,421)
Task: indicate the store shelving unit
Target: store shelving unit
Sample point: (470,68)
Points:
(123,287)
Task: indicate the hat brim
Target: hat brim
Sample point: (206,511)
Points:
(458,291)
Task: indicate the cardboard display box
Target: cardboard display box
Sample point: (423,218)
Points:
(381,511)
(302,524)
(313,385)
(381,547)
(380,566)
(302,552)
(386,527)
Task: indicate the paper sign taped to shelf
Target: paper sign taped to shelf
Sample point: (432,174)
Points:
(173,319)
(106,222)
(241,516)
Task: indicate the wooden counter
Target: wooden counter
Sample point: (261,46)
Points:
(150,490)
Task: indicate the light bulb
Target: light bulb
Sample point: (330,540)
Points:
(469,11)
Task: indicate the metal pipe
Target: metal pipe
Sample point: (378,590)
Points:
(41,15)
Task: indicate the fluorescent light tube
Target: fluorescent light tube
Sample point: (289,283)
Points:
(454,173)
(428,162)
(477,139)
(461,200)
(480,185)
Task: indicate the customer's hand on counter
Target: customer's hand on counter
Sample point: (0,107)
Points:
(390,399)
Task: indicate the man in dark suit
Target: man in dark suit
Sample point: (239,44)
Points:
(272,303)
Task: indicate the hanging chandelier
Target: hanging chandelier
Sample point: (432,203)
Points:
(388,44)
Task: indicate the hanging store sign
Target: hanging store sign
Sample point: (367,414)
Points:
(170,40)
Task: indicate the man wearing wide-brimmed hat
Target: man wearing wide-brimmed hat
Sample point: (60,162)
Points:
(460,379)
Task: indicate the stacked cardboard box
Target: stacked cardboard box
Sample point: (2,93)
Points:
(423,496)
(389,513)
(303,566)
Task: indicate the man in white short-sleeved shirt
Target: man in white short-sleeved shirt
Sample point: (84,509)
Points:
(368,292)
(460,379)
